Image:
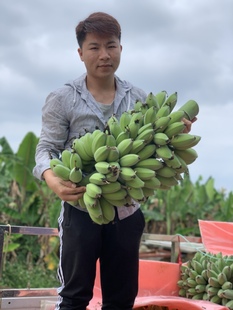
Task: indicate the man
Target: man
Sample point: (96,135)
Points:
(82,105)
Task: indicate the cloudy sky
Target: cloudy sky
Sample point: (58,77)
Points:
(173,45)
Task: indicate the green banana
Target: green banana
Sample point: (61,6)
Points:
(150,115)
(163,111)
(122,136)
(146,135)
(204,274)
(87,143)
(189,155)
(95,133)
(111,187)
(103,167)
(161,123)
(225,301)
(108,209)
(171,101)
(222,278)
(113,154)
(137,105)
(152,100)
(136,193)
(65,157)
(62,172)
(147,151)
(125,120)
(190,108)
(184,167)
(98,178)
(200,288)
(75,175)
(228,294)
(117,203)
(151,163)
(171,181)
(114,166)
(160,138)
(152,183)
(174,129)
(110,140)
(137,146)
(81,203)
(98,141)
(212,290)
(182,292)
(114,126)
(200,279)
(137,117)
(118,195)
(166,172)
(176,116)
(220,293)
(54,162)
(174,162)
(96,213)
(148,191)
(227,285)
(229,304)
(101,154)
(216,300)
(89,201)
(112,176)
(125,146)
(127,173)
(197,266)
(129,160)
(184,141)
(211,273)
(227,271)
(198,296)
(161,97)
(164,152)
(192,274)
(93,190)
(75,161)
(135,182)
(145,127)
(191,292)
(144,173)
(133,128)
(78,147)
(214,282)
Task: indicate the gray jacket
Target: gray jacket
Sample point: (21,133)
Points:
(71,110)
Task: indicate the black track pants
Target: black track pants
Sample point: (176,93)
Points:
(115,244)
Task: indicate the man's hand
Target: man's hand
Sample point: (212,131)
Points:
(65,190)
(188,124)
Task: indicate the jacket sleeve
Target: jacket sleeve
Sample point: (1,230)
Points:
(54,133)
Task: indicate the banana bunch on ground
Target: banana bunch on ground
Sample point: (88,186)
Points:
(144,150)
(208,277)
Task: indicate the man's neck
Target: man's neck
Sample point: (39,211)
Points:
(102,90)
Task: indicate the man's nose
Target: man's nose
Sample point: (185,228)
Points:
(104,53)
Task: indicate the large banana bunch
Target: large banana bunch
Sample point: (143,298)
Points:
(144,150)
(208,277)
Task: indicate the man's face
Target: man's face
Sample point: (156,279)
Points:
(101,55)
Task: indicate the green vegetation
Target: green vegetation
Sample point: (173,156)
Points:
(31,261)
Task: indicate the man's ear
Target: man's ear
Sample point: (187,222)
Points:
(80,53)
